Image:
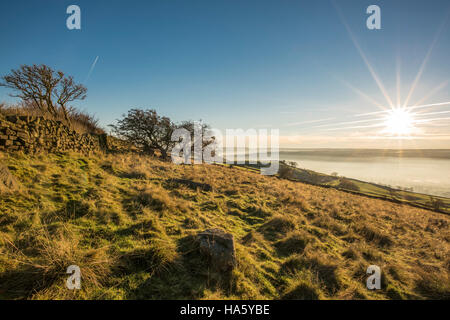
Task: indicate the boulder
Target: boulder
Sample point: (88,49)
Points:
(218,247)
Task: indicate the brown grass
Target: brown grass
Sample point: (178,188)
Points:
(293,241)
(80,121)
(52,254)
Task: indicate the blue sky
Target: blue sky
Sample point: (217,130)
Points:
(246,64)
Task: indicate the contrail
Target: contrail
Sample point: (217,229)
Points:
(91,69)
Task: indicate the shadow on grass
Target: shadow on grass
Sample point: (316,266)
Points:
(187,277)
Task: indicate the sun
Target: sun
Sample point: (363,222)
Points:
(399,122)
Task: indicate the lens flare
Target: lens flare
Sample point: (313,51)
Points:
(399,122)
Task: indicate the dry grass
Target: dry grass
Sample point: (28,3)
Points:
(131,229)
(80,121)
(43,267)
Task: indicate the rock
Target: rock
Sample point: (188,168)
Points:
(40,134)
(7,180)
(218,246)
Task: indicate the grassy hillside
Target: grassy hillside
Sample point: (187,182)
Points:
(435,203)
(132,229)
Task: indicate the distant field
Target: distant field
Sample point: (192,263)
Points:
(440,204)
(408,197)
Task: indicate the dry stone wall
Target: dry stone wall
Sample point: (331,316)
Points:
(34,134)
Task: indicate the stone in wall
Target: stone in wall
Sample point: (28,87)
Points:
(33,134)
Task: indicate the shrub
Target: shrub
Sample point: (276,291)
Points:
(146,130)
(436,204)
(347,185)
(286,172)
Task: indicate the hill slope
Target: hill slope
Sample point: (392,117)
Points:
(131,228)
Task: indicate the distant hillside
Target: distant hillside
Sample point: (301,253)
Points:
(435,203)
(371,153)
(130,223)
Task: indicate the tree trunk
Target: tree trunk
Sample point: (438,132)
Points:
(66,116)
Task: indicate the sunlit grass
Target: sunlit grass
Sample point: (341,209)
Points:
(132,231)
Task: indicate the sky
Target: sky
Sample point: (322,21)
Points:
(311,69)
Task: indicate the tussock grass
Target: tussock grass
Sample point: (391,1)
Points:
(278,226)
(303,286)
(433,286)
(294,242)
(160,255)
(42,262)
(130,221)
(371,234)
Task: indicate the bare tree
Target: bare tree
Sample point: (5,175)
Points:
(147,130)
(49,90)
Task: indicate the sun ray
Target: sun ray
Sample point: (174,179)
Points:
(398,78)
(432,113)
(363,56)
(425,60)
(432,119)
(432,92)
(307,122)
(348,122)
(408,107)
(359,92)
(355,127)
(397,122)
